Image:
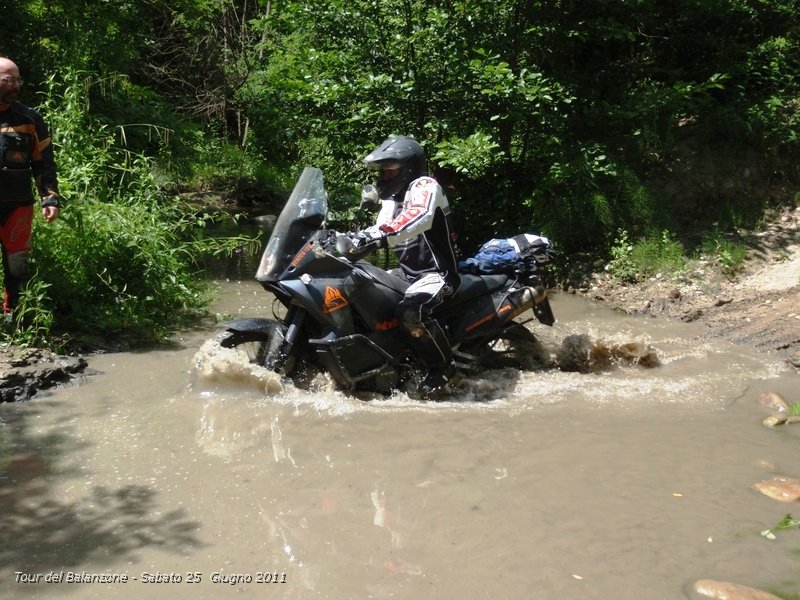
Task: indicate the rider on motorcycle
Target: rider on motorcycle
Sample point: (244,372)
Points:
(414,220)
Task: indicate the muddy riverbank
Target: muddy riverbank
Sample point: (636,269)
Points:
(760,307)
(24,372)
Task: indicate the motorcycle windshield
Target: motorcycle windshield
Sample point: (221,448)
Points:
(303,215)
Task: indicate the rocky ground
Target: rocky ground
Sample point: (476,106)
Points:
(760,307)
(26,371)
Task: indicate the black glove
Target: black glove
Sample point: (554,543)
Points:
(357,245)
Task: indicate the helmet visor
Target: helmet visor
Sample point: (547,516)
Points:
(385,164)
(390,171)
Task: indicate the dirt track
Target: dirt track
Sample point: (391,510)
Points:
(759,308)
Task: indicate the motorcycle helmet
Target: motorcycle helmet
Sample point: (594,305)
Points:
(399,160)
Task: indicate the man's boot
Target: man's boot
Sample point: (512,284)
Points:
(434,351)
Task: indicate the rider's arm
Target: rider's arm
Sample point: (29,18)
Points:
(43,164)
(386,215)
(416,216)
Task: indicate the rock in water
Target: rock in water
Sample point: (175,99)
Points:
(785,489)
(722,590)
(773,402)
(773,421)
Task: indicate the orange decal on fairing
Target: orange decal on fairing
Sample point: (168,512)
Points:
(481,321)
(334,300)
(302,254)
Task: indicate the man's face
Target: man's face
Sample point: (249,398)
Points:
(390,171)
(9,84)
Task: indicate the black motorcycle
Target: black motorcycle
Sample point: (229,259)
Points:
(338,315)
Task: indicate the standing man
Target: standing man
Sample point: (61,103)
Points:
(414,221)
(26,153)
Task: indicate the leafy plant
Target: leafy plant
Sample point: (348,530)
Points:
(622,265)
(729,254)
(659,254)
(787,522)
(122,260)
(31,322)
(650,255)
(471,156)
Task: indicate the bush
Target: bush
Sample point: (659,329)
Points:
(121,261)
(730,255)
(633,262)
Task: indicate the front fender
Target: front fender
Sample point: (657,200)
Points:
(252,324)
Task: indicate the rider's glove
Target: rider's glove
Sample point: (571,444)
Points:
(357,245)
(373,235)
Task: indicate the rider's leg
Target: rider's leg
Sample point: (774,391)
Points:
(425,335)
(15,237)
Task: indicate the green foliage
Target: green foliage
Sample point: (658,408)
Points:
(649,256)
(774,65)
(659,254)
(729,254)
(32,321)
(128,259)
(101,37)
(622,265)
(121,260)
(471,156)
(787,522)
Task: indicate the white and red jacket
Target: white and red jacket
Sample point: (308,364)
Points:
(420,231)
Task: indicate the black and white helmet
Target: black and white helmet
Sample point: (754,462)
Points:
(403,152)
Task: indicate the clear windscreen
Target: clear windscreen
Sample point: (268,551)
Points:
(303,215)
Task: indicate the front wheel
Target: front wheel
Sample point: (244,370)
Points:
(260,347)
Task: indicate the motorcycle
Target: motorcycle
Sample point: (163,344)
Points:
(337,314)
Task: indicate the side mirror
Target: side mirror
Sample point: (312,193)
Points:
(370,201)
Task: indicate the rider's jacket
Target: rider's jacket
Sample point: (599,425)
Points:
(419,229)
(25,152)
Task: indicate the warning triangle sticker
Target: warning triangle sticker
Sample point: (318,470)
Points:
(334,299)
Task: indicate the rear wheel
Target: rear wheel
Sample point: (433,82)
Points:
(516,347)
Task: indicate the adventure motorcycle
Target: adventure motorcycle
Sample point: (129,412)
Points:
(338,314)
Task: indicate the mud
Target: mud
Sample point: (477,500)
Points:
(24,372)
(759,307)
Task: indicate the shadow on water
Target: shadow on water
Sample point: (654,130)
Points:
(42,531)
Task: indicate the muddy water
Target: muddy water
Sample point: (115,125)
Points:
(193,477)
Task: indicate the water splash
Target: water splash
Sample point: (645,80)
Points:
(582,353)
(591,366)
(215,368)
